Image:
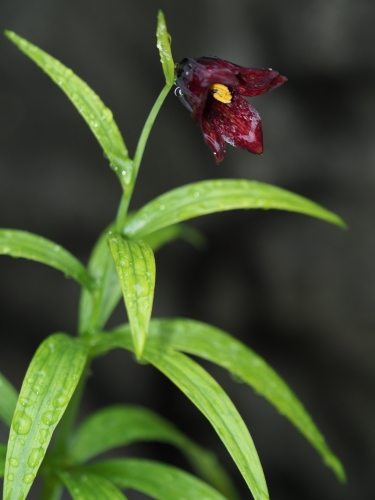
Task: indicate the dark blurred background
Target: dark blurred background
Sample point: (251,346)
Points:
(298,291)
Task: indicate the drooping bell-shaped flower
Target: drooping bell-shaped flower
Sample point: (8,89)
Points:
(213,90)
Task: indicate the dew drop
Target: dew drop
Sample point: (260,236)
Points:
(26,402)
(28,478)
(60,400)
(21,423)
(38,389)
(44,435)
(35,457)
(50,417)
(107,114)
(10,476)
(12,437)
(13,462)
(56,248)
(161,207)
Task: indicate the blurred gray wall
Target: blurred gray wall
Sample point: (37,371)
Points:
(298,291)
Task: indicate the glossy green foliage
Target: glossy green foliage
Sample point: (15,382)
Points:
(135,265)
(33,247)
(222,349)
(95,308)
(163,42)
(90,486)
(8,400)
(124,424)
(47,388)
(159,481)
(207,395)
(3,451)
(97,116)
(167,234)
(207,197)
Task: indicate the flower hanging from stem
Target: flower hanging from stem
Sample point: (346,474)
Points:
(213,89)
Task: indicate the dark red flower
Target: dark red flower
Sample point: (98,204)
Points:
(211,89)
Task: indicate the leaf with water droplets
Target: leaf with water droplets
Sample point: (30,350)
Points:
(31,246)
(207,395)
(95,308)
(47,388)
(155,479)
(89,486)
(3,451)
(163,42)
(98,117)
(135,265)
(8,400)
(201,198)
(214,345)
(121,425)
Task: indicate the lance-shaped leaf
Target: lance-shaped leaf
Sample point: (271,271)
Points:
(222,349)
(48,386)
(167,234)
(8,400)
(89,486)
(209,398)
(135,264)
(95,308)
(206,197)
(98,117)
(159,481)
(33,247)
(3,451)
(121,425)
(163,42)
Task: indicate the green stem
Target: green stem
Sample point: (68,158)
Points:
(126,197)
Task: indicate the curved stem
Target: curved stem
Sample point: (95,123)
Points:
(126,196)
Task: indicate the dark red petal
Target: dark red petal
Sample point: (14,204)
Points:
(214,140)
(194,77)
(256,81)
(237,123)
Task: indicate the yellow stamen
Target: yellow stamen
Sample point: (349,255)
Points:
(221,93)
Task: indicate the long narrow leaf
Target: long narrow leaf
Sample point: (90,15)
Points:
(159,481)
(207,197)
(33,247)
(222,349)
(208,396)
(8,400)
(49,384)
(167,234)
(163,40)
(98,117)
(135,264)
(3,452)
(121,425)
(89,486)
(95,308)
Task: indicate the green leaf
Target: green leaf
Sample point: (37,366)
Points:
(33,247)
(167,234)
(3,451)
(207,395)
(89,486)
(121,425)
(206,197)
(8,400)
(48,386)
(222,349)
(135,266)
(163,40)
(98,117)
(159,481)
(95,308)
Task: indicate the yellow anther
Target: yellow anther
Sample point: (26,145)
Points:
(221,93)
